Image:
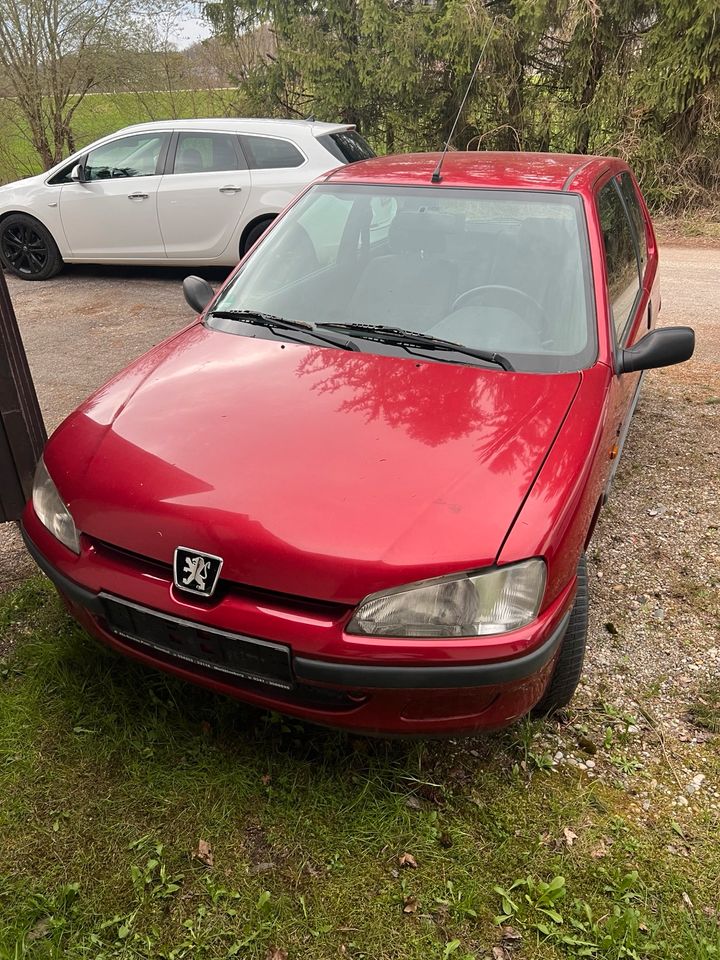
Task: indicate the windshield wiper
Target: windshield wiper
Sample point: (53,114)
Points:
(376,331)
(269,320)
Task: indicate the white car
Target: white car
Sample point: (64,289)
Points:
(181,192)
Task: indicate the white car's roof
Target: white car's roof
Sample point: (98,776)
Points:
(244,125)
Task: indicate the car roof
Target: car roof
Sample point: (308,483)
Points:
(479,168)
(243,125)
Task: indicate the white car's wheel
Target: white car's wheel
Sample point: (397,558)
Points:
(27,248)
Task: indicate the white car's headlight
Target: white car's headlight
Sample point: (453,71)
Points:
(461,605)
(51,510)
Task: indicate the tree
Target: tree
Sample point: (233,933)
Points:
(53,52)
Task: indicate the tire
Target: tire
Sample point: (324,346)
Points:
(27,248)
(568,668)
(254,233)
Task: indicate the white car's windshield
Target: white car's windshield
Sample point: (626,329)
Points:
(494,270)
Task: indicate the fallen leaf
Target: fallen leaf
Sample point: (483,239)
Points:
(410,905)
(501,953)
(570,836)
(600,851)
(203,853)
(40,930)
(408,860)
(511,935)
(687,901)
(276,953)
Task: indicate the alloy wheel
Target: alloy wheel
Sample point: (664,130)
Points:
(24,249)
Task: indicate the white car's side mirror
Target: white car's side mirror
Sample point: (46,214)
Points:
(78,173)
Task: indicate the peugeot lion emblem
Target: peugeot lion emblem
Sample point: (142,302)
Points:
(196,572)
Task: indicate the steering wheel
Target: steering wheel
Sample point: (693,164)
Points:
(503,294)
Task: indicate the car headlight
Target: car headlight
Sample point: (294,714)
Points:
(51,510)
(461,605)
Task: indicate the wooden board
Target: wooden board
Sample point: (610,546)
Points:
(22,431)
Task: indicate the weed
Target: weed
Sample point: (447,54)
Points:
(705,711)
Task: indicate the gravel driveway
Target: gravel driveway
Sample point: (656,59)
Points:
(655,558)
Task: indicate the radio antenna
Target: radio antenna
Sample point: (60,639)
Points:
(437,177)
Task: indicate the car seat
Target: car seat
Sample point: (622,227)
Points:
(412,286)
(189,160)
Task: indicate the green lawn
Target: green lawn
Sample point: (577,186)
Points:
(104,113)
(110,775)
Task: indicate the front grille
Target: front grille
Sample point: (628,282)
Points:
(281,601)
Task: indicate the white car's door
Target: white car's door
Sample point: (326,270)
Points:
(202,197)
(112,215)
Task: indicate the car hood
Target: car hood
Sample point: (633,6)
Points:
(315,472)
(21,184)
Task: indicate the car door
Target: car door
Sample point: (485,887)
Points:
(112,214)
(202,196)
(625,264)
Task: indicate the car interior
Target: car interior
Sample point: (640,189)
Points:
(515,285)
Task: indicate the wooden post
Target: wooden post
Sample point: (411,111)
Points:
(22,431)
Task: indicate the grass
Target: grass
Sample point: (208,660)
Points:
(103,113)
(705,711)
(110,775)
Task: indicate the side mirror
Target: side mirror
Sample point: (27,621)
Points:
(659,348)
(198,293)
(78,173)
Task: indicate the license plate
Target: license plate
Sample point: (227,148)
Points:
(194,643)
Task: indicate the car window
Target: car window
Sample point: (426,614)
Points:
(629,192)
(134,156)
(497,270)
(347,146)
(63,175)
(206,153)
(621,261)
(268,153)
(311,244)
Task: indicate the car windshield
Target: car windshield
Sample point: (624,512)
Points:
(493,270)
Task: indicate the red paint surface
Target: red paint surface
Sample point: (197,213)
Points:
(321,475)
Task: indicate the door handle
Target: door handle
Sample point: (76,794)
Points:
(137,196)
(229,189)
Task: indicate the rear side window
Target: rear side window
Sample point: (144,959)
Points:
(206,153)
(347,146)
(270,153)
(620,258)
(629,192)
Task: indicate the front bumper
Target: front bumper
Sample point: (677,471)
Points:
(382,687)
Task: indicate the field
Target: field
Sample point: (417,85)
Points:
(102,113)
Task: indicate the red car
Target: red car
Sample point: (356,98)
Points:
(360,486)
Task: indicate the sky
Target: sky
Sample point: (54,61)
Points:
(188,30)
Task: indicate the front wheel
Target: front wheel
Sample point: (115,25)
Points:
(568,668)
(27,248)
